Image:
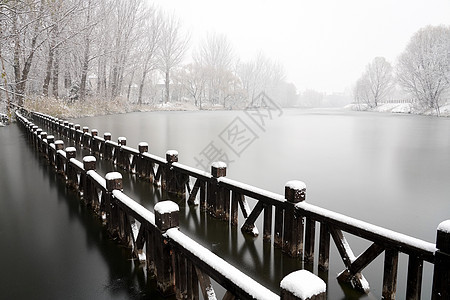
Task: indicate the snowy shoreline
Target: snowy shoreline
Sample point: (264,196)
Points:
(401,108)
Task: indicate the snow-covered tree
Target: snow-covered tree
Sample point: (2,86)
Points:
(172,47)
(376,83)
(423,68)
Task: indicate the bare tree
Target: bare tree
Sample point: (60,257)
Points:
(376,82)
(215,54)
(150,45)
(423,68)
(172,48)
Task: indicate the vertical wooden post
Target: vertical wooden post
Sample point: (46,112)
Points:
(324,248)
(121,141)
(166,217)
(85,141)
(72,180)
(113,182)
(390,273)
(141,167)
(50,140)
(310,231)
(42,144)
(172,182)
(88,164)
(295,191)
(105,151)
(93,142)
(441,274)
(77,136)
(59,145)
(302,285)
(218,198)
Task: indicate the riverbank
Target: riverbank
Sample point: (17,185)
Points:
(401,108)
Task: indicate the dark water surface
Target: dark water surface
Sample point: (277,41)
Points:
(389,170)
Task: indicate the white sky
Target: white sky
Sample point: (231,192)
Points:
(323,44)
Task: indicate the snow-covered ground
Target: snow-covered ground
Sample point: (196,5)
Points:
(401,108)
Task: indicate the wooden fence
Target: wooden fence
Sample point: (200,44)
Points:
(295,220)
(180,265)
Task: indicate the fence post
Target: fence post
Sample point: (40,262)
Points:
(172,182)
(295,191)
(302,285)
(166,217)
(50,140)
(113,182)
(88,164)
(105,151)
(441,275)
(218,198)
(72,180)
(142,165)
(59,145)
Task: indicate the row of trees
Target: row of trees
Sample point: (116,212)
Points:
(74,49)
(422,72)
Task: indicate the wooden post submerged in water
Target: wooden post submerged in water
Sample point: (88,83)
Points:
(113,182)
(295,192)
(166,217)
(172,182)
(218,200)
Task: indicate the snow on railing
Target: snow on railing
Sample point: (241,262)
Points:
(295,220)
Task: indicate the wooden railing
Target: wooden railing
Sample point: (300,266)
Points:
(295,220)
(179,264)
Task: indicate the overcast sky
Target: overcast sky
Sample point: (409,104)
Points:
(323,45)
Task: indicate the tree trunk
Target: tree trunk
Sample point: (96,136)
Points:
(167,83)
(141,87)
(49,70)
(55,78)
(129,85)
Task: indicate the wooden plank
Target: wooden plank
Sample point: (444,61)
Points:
(193,193)
(390,274)
(205,285)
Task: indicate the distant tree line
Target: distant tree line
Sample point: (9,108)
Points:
(421,73)
(108,49)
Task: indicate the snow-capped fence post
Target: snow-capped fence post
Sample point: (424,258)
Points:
(86,138)
(295,191)
(166,217)
(89,163)
(113,182)
(172,182)
(60,160)
(72,178)
(78,134)
(50,140)
(218,200)
(43,142)
(36,141)
(441,275)
(302,285)
(66,129)
(106,150)
(71,131)
(94,141)
(118,153)
(142,166)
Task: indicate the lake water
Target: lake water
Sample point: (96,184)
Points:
(389,170)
